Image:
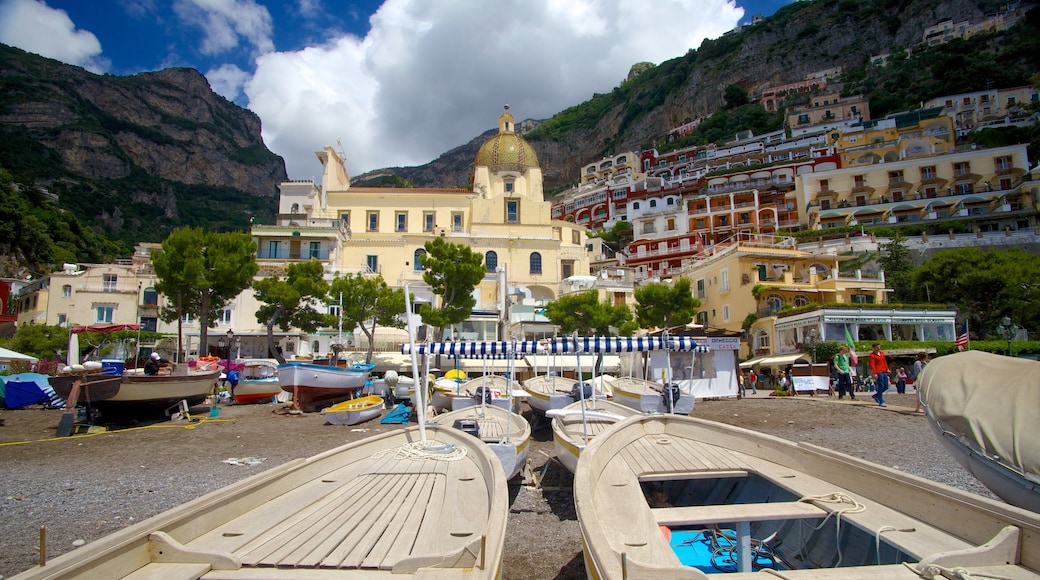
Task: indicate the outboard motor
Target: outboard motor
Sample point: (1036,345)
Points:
(581,391)
(483,395)
(671,391)
(467,425)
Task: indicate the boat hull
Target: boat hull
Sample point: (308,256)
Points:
(249,391)
(315,517)
(647,397)
(507,434)
(571,433)
(354,411)
(547,392)
(141,393)
(681,473)
(314,385)
(93,388)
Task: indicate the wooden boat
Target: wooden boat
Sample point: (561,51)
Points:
(384,507)
(764,502)
(506,433)
(984,408)
(573,429)
(650,397)
(314,386)
(141,393)
(547,392)
(257,382)
(354,411)
(504,392)
(390,386)
(93,388)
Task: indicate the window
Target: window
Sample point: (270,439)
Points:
(1003,163)
(825,185)
(653,203)
(671,224)
(373,221)
(635,205)
(508,184)
(566,268)
(858,181)
(344,218)
(417,259)
(314,250)
(62,319)
(961,168)
(774,302)
(646,165)
(224,317)
(928,172)
(273,249)
(104,313)
(456,221)
(512,211)
(701,293)
(725,312)
(372,262)
(150,297)
(895,176)
(427,221)
(536,263)
(801,300)
(491,261)
(149,323)
(187,318)
(334,310)
(66,290)
(109,283)
(724,286)
(401,222)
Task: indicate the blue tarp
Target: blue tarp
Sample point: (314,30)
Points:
(27,389)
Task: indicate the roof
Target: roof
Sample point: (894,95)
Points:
(506,148)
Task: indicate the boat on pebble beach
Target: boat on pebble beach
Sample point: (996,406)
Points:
(671,496)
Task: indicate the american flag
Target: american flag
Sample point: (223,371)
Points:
(962,339)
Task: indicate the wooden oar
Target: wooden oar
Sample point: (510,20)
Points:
(68,418)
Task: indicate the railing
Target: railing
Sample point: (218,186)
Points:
(286,254)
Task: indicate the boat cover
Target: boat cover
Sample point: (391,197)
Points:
(991,402)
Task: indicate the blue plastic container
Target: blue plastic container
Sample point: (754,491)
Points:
(112,366)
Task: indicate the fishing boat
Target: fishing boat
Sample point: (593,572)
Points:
(578,423)
(670,496)
(314,386)
(496,390)
(984,409)
(391,386)
(141,392)
(257,382)
(94,387)
(396,505)
(354,411)
(547,392)
(506,433)
(651,397)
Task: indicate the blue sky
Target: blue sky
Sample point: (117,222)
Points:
(396,82)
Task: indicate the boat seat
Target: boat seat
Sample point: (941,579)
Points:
(754,512)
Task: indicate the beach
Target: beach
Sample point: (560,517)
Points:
(86,486)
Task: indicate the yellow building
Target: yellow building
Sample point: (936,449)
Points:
(381,231)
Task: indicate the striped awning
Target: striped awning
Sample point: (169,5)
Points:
(478,349)
(604,344)
(686,343)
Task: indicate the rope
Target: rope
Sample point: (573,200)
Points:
(839,498)
(932,571)
(188,426)
(877,538)
(432,449)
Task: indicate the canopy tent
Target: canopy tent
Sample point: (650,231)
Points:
(10,355)
(104,328)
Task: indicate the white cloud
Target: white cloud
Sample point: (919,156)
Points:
(33,26)
(432,75)
(225,22)
(227,80)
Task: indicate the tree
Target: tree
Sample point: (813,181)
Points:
(202,272)
(367,303)
(39,340)
(292,302)
(665,306)
(898,264)
(735,97)
(452,272)
(584,313)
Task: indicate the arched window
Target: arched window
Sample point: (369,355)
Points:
(417,260)
(536,263)
(635,205)
(801,300)
(491,261)
(315,347)
(774,302)
(150,296)
(653,203)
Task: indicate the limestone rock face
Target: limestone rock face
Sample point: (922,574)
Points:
(167,124)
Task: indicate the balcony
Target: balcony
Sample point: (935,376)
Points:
(289,254)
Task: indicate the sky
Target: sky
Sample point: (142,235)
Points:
(394,83)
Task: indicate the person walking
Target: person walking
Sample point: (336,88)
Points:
(754,382)
(901,377)
(740,383)
(879,372)
(843,373)
(915,373)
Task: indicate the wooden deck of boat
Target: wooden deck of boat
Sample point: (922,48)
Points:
(394,515)
(623,509)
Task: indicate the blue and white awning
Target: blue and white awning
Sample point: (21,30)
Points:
(610,344)
(686,343)
(479,349)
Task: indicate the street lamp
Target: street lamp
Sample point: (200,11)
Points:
(1007,330)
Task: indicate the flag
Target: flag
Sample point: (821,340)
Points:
(962,339)
(852,347)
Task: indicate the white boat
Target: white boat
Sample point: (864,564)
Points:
(354,411)
(653,488)
(390,386)
(649,397)
(985,408)
(547,392)
(257,382)
(497,390)
(507,434)
(143,393)
(387,507)
(578,423)
(314,385)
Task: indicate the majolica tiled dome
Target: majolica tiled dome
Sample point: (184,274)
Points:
(507,149)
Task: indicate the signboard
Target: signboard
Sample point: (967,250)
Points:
(811,384)
(723,342)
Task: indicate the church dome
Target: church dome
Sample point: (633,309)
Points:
(507,150)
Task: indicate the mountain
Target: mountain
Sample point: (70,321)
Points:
(137,156)
(799,39)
